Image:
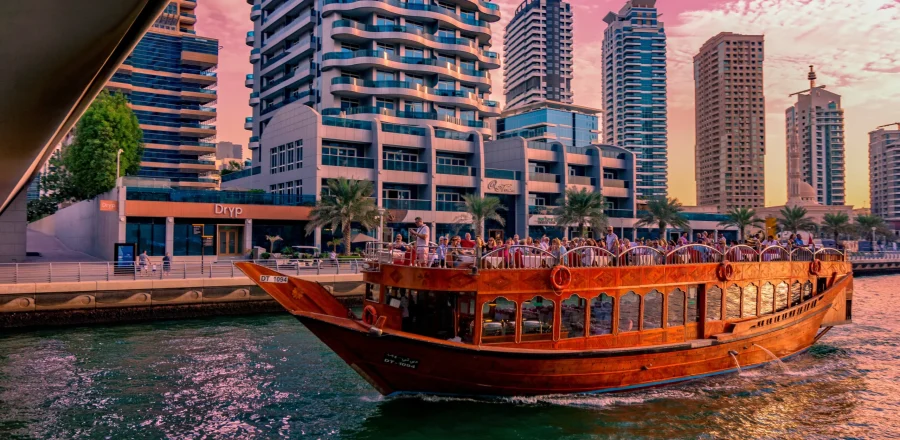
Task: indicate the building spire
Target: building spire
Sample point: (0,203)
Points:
(812,77)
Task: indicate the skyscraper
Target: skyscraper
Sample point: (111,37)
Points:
(169,80)
(538,51)
(884,155)
(634,91)
(414,63)
(815,136)
(730,122)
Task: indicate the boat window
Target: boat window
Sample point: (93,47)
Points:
(781,297)
(653,307)
(676,308)
(692,314)
(537,319)
(572,315)
(795,293)
(713,303)
(807,290)
(750,299)
(767,299)
(602,314)
(629,312)
(498,321)
(373,292)
(466,315)
(733,302)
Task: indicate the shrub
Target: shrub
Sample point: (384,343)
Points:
(265,255)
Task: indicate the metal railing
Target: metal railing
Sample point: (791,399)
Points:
(155,269)
(527,257)
(874,256)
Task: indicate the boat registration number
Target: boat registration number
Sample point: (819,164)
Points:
(401,361)
(273,279)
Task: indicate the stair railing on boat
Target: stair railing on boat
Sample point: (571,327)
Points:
(530,257)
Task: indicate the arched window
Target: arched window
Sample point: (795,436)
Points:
(692,313)
(713,303)
(807,290)
(498,320)
(676,308)
(795,293)
(602,315)
(733,302)
(781,297)
(767,299)
(572,314)
(629,312)
(750,299)
(537,319)
(653,308)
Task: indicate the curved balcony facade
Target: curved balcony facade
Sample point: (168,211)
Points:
(364,59)
(411,11)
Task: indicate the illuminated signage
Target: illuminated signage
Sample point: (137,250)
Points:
(229,211)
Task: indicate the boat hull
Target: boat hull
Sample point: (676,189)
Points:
(395,363)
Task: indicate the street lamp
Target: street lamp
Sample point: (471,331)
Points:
(118,161)
(381,212)
(873,239)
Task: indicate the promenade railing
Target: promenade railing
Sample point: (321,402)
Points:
(20,273)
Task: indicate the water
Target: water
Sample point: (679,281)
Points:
(774,358)
(267,377)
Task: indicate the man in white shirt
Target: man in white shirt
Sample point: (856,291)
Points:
(612,240)
(421,233)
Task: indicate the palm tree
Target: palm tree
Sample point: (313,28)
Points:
(348,201)
(793,218)
(272,240)
(663,212)
(582,208)
(741,218)
(334,243)
(480,209)
(865,223)
(836,223)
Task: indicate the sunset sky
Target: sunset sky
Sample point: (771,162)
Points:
(852,43)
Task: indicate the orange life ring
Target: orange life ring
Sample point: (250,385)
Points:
(370,315)
(815,267)
(560,277)
(725,272)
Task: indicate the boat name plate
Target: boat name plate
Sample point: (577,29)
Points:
(273,279)
(401,361)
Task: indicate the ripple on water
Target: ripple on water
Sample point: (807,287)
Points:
(267,376)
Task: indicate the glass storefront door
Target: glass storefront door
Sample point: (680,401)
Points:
(231,241)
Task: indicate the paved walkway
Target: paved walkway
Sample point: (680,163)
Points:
(52,250)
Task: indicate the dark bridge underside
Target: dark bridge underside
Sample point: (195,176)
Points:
(56,56)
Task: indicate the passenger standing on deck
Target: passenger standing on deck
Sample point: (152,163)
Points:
(545,243)
(612,241)
(421,233)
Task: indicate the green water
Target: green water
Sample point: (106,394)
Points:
(268,377)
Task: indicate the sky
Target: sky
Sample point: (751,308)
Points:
(852,43)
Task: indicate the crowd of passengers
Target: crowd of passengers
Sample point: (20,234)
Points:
(515,252)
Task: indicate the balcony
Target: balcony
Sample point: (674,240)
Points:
(188,18)
(254,99)
(543,177)
(304,96)
(541,209)
(254,55)
(360,110)
(348,161)
(255,12)
(251,38)
(502,174)
(396,165)
(468,46)
(382,58)
(248,81)
(455,170)
(618,213)
(248,123)
(407,204)
(580,180)
(229,197)
(398,7)
(459,97)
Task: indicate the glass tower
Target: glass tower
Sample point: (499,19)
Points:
(634,91)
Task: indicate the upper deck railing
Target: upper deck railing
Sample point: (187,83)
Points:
(529,257)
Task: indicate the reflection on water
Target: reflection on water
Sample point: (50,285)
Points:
(266,376)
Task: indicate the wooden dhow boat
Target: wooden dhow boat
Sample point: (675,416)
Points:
(523,322)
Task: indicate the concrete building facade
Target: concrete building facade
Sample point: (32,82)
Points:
(884,163)
(814,129)
(730,121)
(538,49)
(634,91)
(570,125)
(169,80)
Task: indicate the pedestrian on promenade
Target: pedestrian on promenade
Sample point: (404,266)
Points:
(143,260)
(167,264)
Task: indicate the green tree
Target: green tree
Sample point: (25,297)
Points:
(232,167)
(582,208)
(741,218)
(663,212)
(479,209)
(793,219)
(40,208)
(865,223)
(106,127)
(836,223)
(348,201)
